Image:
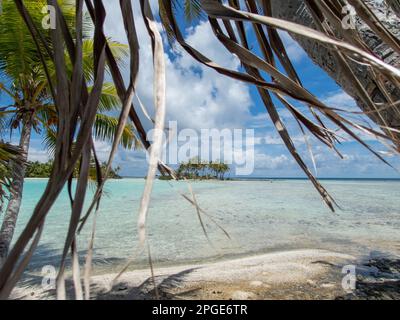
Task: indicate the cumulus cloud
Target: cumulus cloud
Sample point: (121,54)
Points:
(266,161)
(103,150)
(294,51)
(340,99)
(197,97)
(36,154)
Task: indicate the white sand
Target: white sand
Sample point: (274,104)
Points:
(254,274)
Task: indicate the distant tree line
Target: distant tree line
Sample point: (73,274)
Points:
(38,169)
(198,169)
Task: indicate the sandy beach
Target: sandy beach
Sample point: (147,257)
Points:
(299,274)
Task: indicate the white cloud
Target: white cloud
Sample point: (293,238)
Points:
(294,51)
(197,97)
(266,161)
(340,100)
(36,154)
(103,150)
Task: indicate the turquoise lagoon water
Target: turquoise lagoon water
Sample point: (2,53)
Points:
(260,216)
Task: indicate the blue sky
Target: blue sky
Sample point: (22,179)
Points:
(199,98)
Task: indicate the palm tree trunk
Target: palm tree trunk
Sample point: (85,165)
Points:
(14,204)
(296,11)
(395,5)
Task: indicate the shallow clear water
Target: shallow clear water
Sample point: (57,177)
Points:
(260,216)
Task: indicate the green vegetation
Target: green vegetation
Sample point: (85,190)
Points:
(113,174)
(164,178)
(9,154)
(38,170)
(43,170)
(30,78)
(197,169)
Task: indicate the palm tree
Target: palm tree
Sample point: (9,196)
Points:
(223,170)
(213,167)
(32,106)
(395,5)
(8,154)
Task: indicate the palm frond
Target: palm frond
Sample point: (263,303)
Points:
(109,99)
(105,129)
(9,155)
(119,50)
(50,141)
(192,9)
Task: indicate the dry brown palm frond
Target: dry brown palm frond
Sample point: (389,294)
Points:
(160,106)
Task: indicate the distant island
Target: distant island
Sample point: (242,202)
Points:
(195,169)
(38,169)
(192,170)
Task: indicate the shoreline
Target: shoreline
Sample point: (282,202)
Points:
(295,274)
(257,179)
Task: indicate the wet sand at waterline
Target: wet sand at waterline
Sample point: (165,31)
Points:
(299,274)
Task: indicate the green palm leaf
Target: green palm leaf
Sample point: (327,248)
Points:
(192,10)
(8,155)
(105,127)
(109,100)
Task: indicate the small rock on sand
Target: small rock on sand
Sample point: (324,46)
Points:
(256,283)
(242,295)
